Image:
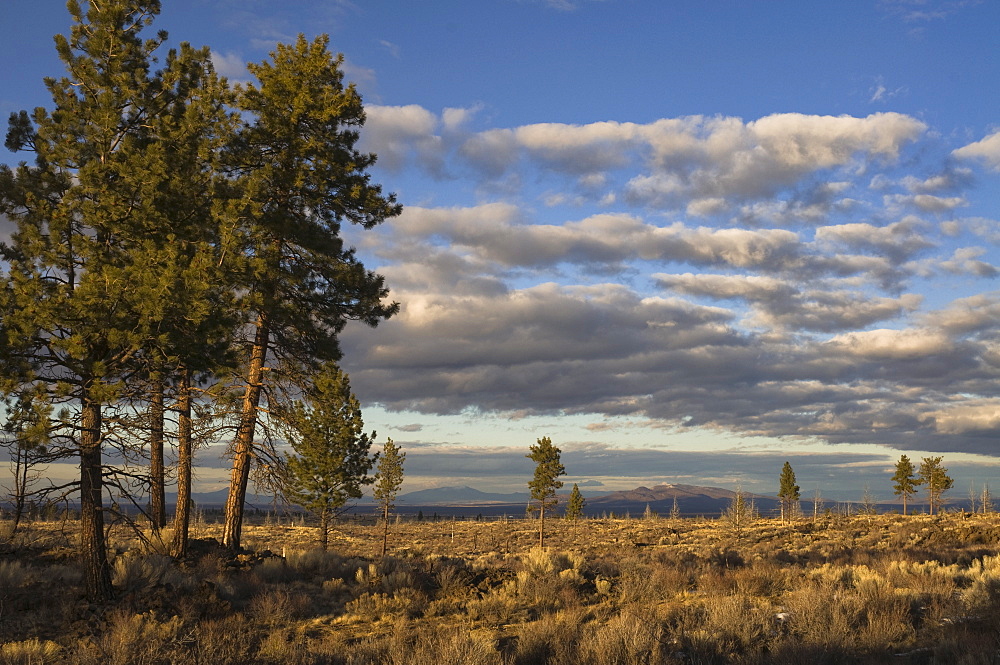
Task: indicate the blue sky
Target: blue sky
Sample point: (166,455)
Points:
(687,241)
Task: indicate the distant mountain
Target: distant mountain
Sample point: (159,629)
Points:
(463,495)
(691,499)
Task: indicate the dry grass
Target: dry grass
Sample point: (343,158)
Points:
(870,590)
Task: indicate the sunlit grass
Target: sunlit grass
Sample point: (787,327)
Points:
(838,590)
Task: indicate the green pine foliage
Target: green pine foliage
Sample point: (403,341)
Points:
(388,480)
(575,504)
(299,177)
(330,463)
(788,491)
(91,272)
(545,482)
(905,483)
(937,480)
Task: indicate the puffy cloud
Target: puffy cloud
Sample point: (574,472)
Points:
(887,344)
(899,242)
(794,316)
(976,417)
(724,157)
(986,150)
(701,163)
(231,65)
(397,133)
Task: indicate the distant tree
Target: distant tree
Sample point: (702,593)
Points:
(788,492)
(331,460)
(25,438)
(388,480)
(675,510)
(869,503)
(739,514)
(817,502)
(986,500)
(574,507)
(543,486)
(905,483)
(937,480)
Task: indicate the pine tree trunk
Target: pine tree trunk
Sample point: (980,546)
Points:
(96,570)
(157,491)
(385,529)
(541,526)
(324,529)
(20,486)
(185,455)
(904,503)
(243,443)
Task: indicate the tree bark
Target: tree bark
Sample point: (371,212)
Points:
(324,529)
(385,529)
(185,455)
(243,442)
(157,489)
(96,570)
(541,525)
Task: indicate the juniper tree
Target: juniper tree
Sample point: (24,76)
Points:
(937,480)
(546,481)
(905,483)
(300,177)
(788,492)
(330,463)
(575,504)
(388,480)
(82,292)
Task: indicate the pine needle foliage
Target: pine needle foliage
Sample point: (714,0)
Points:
(388,480)
(575,504)
(545,482)
(937,480)
(331,462)
(905,483)
(788,492)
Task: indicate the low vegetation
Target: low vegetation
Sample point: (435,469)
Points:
(869,589)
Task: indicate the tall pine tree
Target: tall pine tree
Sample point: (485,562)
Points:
(300,177)
(82,298)
(545,482)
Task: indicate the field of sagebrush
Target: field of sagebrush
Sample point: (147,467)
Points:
(875,589)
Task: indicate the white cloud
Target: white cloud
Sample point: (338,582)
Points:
(986,150)
(893,344)
(229,64)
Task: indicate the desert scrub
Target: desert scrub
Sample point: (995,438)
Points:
(30,652)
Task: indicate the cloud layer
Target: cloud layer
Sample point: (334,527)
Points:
(794,275)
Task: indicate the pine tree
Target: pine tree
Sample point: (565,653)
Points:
(904,482)
(675,509)
(543,486)
(937,480)
(330,463)
(788,492)
(82,292)
(576,504)
(388,480)
(300,177)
